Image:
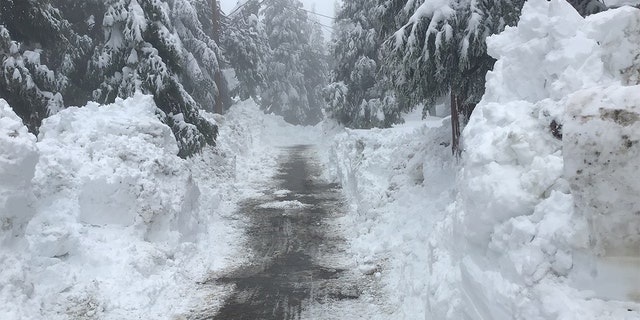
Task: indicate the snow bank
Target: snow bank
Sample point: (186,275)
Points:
(525,246)
(399,181)
(541,222)
(602,159)
(17,166)
(110,197)
(110,222)
(115,165)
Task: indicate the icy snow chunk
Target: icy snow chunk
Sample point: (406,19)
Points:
(293,204)
(133,57)
(52,233)
(549,38)
(511,161)
(618,35)
(117,165)
(18,158)
(102,202)
(281,193)
(602,161)
(537,181)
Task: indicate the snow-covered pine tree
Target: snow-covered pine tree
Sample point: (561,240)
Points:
(287,32)
(359,94)
(441,51)
(57,53)
(246,49)
(202,56)
(40,53)
(588,7)
(143,51)
(316,70)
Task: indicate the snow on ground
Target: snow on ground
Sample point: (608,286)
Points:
(400,181)
(286,204)
(101,219)
(536,218)
(17,167)
(540,220)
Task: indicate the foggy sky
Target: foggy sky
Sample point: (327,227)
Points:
(324,7)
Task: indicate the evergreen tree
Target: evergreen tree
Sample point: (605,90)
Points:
(204,57)
(142,51)
(39,51)
(246,48)
(287,31)
(588,7)
(442,51)
(359,94)
(315,70)
(57,53)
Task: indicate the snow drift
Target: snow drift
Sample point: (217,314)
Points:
(101,192)
(115,165)
(543,223)
(534,187)
(101,219)
(399,181)
(17,167)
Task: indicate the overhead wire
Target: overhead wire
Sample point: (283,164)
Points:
(329,28)
(242,5)
(318,14)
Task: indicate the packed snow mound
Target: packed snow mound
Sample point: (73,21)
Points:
(399,181)
(113,209)
(534,192)
(17,167)
(115,225)
(602,159)
(115,165)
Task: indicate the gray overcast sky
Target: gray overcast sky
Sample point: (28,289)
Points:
(324,7)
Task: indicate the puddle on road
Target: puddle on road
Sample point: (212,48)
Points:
(288,242)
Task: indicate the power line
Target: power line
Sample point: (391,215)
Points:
(242,5)
(317,14)
(330,28)
(309,19)
(322,25)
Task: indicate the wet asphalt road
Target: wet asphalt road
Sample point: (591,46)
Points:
(286,273)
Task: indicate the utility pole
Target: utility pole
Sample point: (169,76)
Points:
(215,11)
(222,97)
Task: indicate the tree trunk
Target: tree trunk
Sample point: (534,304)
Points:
(220,100)
(455,125)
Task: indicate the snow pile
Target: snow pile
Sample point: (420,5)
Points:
(602,158)
(111,197)
(114,165)
(247,131)
(114,224)
(17,166)
(399,181)
(285,204)
(543,222)
(525,251)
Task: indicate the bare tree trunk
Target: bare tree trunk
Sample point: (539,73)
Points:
(455,125)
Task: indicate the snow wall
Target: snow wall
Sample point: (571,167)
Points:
(542,221)
(99,217)
(17,167)
(547,195)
